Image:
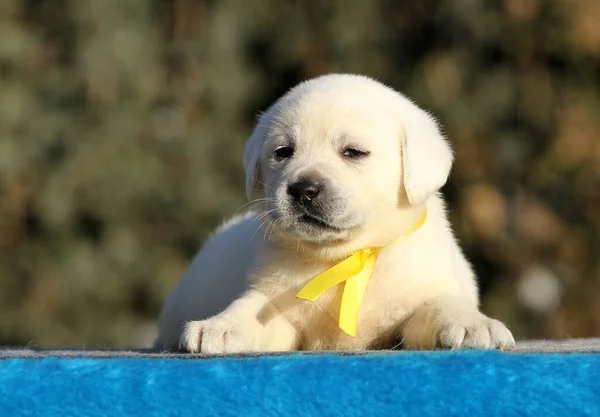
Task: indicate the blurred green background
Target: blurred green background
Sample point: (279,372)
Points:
(122,124)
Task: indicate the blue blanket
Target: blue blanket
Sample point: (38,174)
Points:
(459,383)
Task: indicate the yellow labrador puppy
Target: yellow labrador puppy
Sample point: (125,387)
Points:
(340,165)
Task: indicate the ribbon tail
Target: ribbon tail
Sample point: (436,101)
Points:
(354,292)
(331,277)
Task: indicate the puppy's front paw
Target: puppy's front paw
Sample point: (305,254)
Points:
(216,335)
(474,331)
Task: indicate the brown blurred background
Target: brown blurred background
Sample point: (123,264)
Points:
(122,124)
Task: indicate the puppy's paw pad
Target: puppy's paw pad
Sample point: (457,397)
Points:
(215,336)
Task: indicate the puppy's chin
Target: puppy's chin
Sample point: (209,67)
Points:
(307,228)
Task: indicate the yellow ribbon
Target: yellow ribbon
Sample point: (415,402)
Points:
(356,271)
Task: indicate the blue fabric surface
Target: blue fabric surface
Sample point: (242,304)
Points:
(468,383)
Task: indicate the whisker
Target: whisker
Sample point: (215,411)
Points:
(265,214)
(256,201)
(273,228)
(257,229)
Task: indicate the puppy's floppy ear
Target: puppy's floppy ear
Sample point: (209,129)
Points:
(251,160)
(427,157)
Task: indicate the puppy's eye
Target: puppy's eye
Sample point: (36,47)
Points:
(354,153)
(284,152)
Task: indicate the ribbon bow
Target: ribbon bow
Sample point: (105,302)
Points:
(356,271)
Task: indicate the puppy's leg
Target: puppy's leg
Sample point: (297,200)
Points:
(454,322)
(249,324)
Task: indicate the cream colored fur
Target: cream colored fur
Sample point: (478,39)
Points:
(239,293)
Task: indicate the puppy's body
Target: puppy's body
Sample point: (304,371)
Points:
(239,293)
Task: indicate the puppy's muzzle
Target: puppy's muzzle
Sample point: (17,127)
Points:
(312,201)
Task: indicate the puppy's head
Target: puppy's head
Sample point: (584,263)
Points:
(342,154)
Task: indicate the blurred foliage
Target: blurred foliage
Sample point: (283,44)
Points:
(122,124)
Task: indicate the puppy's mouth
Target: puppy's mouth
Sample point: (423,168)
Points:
(315,221)
(308,225)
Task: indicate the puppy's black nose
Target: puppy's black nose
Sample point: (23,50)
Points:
(305,189)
